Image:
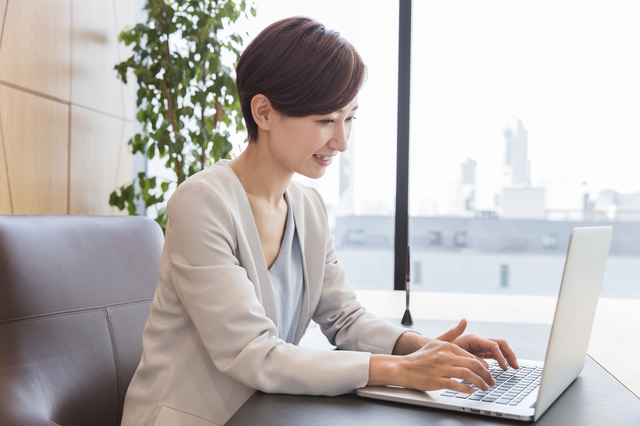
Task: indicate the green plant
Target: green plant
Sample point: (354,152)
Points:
(187,98)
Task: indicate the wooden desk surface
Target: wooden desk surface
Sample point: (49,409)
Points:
(614,341)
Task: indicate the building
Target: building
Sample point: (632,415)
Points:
(469,186)
(517,170)
(614,205)
(456,254)
(518,200)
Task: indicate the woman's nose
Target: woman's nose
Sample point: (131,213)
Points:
(340,137)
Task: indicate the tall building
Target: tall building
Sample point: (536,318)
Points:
(518,199)
(469,171)
(469,185)
(516,158)
(462,191)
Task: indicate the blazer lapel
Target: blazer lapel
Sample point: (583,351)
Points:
(305,236)
(263,288)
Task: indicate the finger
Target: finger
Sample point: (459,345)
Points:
(504,352)
(482,361)
(490,348)
(509,354)
(456,386)
(462,352)
(470,377)
(477,367)
(496,353)
(455,332)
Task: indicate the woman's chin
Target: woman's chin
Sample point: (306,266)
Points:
(313,174)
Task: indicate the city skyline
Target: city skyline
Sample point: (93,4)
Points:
(515,196)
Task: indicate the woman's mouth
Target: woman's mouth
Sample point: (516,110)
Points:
(323,160)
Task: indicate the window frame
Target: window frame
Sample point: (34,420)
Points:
(402,147)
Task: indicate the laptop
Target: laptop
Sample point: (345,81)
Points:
(525,394)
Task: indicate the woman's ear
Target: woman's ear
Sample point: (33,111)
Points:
(262,112)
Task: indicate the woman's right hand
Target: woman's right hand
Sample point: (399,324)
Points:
(438,363)
(434,366)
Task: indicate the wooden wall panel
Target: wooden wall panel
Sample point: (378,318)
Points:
(124,173)
(95,53)
(5,200)
(36,140)
(95,147)
(36,46)
(57,61)
(3,7)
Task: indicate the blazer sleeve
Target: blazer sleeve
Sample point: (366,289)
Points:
(223,305)
(342,319)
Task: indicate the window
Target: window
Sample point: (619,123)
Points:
(460,239)
(435,238)
(356,236)
(550,241)
(513,105)
(504,275)
(508,125)
(416,273)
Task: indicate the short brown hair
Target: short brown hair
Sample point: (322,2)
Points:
(301,67)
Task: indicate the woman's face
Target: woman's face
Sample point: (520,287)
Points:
(307,145)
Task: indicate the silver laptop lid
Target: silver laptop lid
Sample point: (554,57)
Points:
(575,312)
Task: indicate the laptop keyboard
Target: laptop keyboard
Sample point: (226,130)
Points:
(512,386)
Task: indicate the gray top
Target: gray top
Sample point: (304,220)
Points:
(287,279)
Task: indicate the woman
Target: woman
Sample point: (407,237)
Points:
(249,260)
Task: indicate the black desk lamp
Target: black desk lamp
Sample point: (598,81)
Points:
(406,318)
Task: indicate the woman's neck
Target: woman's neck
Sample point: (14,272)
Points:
(259,175)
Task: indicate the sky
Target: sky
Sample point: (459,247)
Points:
(570,71)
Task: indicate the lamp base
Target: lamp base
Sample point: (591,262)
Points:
(406,319)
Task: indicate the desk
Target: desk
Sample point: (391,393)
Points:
(595,398)
(614,341)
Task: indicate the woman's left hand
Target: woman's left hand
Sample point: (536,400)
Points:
(482,348)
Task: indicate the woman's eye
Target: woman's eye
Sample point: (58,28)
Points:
(332,121)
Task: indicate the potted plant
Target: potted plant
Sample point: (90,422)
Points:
(187,99)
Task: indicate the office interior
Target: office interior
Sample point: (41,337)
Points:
(66,120)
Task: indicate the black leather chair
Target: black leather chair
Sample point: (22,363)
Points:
(75,293)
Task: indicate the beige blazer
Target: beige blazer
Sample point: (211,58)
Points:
(211,338)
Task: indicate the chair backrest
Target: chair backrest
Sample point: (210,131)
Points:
(75,293)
